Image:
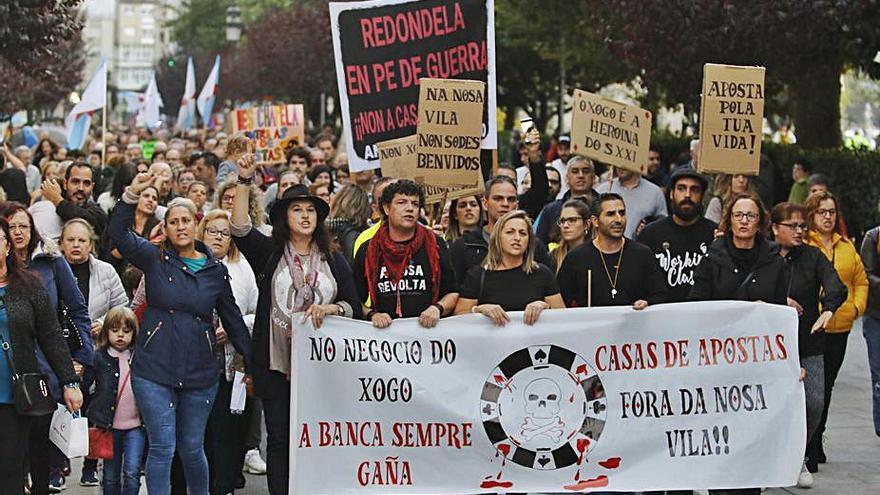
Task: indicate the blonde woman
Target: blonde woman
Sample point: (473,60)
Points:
(510,279)
(224,199)
(823,218)
(226,430)
(726,187)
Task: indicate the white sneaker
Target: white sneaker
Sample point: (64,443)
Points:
(254,463)
(805,479)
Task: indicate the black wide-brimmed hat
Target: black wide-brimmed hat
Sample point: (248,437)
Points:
(298,192)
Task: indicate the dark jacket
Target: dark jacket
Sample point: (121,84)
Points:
(535,198)
(809,274)
(175,346)
(718,278)
(105,377)
(550,214)
(30,324)
(470,249)
(58,280)
(871,260)
(345,233)
(264,257)
(90,212)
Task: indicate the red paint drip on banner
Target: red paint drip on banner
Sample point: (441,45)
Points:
(611,463)
(496,484)
(598,482)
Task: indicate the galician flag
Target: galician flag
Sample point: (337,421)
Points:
(148,113)
(205,102)
(187,113)
(93,98)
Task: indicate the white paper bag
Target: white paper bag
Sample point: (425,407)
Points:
(239,394)
(69,432)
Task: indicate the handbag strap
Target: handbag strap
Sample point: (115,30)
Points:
(122,388)
(5,346)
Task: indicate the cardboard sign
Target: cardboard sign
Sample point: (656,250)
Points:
(383,47)
(398,158)
(610,131)
(273,129)
(584,401)
(448,144)
(731,119)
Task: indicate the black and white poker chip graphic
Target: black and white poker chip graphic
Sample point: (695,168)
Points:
(543,407)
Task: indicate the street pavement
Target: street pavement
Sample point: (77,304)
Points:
(853,449)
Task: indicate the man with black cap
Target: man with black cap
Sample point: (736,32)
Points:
(680,241)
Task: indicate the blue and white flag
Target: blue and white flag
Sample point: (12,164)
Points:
(208,95)
(93,98)
(148,114)
(187,113)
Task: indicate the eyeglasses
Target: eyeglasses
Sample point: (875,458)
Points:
(223,234)
(568,220)
(826,213)
(19,228)
(739,216)
(794,226)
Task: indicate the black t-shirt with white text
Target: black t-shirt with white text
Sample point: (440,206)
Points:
(679,250)
(415,286)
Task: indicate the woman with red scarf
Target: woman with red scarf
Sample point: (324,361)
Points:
(405,271)
(299,270)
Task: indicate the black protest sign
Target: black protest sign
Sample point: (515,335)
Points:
(383,48)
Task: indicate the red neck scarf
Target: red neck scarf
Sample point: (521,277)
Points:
(382,251)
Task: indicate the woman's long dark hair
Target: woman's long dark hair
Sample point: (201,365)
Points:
(321,236)
(19,277)
(11,208)
(124,175)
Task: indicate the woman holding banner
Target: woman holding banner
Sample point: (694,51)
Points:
(299,271)
(510,279)
(742,265)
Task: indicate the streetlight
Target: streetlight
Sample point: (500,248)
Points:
(233,24)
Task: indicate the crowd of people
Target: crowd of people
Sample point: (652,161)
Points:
(173,266)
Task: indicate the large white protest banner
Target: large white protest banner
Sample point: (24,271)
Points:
(587,399)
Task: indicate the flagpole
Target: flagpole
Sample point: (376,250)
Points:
(104,134)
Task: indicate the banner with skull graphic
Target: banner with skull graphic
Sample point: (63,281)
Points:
(678,396)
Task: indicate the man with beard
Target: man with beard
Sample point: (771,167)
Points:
(611,270)
(644,200)
(76,199)
(680,242)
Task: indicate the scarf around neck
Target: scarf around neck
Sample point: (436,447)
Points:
(396,257)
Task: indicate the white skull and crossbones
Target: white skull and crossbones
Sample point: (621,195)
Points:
(542,398)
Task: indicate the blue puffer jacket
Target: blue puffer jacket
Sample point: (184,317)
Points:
(57,277)
(175,345)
